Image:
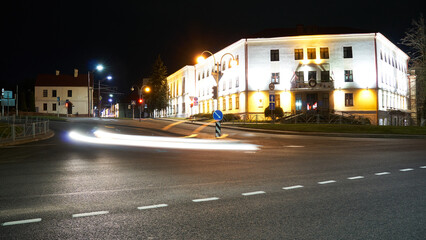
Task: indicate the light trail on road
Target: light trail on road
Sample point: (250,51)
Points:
(106,138)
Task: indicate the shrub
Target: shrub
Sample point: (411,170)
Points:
(278,112)
(231,117)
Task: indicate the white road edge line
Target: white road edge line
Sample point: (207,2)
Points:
(89,214)
(327,182)
(205,199)
(356,177)
(21,222)
(253,193)
(406,169)
(292,187)
(152,206)
(382,173)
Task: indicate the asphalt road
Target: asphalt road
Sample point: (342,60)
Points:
(293,187)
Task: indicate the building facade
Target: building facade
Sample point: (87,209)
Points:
(360,74)
(64,94)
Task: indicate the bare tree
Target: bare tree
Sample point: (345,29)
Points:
(416,41)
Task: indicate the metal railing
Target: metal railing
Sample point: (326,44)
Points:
(12,129)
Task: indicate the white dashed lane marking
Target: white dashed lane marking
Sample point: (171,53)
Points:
(292,187)
(34,220)
(205,199)
(406,169)
(356,177)
(327,182)
(253,193)
(89,214)
(382,173)
(153,206)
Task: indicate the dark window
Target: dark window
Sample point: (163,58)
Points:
(349,76)
(237,102)
(183,86)
(230,103)
(44,106)
(312,54)
(53,93)
(312,75)
(275,78)
(277,100)
(324,53)
(44,93)
(69,93)
(237,82)
(298,54)
(325,76)
(300,76)
(347,52)
(54,106)
(275,55)
(224,104)
(349,99)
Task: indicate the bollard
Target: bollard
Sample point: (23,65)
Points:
(218,129)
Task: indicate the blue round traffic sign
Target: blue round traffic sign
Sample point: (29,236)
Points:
(217,115)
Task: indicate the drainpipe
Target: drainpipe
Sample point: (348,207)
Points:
(246,77)
(377,78)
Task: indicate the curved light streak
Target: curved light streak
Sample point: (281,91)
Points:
(106,138)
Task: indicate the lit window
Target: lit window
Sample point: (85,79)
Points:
(312,53)
(298,54)
(324,53)
(275,78)
(349,76)
(349,99)
(237,102)
(230,103)
(298,102)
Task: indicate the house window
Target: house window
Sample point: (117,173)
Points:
(237,102)
(324,53)
(349,76)
(53,93)
(300,76)
(183,107)
(312,53)
(325,76)
(237,82)
(69,93)
(312,75)
(53,106)
(230,83)
(275,78)
(224,104)
(347,52)
(349,99)
(230,103)
(298,54)
(183,86)
(298,102)
(44,106)
(275,55)
(44,93)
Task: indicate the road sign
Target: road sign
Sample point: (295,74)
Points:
(133,102)
(272,98)
(7,94)
(271,86)
(217,115)
(271,106)
(195,101)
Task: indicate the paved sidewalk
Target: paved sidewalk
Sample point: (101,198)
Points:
(38,137)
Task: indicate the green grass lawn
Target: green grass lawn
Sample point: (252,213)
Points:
(341,128)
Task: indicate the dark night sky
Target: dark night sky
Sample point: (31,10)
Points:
(126,36)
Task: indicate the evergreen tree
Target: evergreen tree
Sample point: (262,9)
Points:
(157,99)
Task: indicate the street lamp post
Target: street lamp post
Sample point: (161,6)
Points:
(99,94)
(218,74)
(99,68)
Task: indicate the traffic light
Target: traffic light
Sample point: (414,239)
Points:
(214,92)
(140,100)
(192,101)
(67,102)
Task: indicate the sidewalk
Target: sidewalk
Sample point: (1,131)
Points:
(323,134)
(38,137)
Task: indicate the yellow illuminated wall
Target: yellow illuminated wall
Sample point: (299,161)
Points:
(363,100)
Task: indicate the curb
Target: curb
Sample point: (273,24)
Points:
(322,134)
(48,135)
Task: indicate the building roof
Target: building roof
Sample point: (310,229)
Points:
(63,80)
(301,30)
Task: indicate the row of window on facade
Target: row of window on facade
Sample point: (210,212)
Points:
(54,93)
(394,101)
(311,53)
(392,62)
(225,65)
(45,107)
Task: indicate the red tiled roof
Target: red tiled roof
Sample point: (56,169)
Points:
(63,80)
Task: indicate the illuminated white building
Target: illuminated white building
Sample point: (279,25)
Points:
(361,74)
